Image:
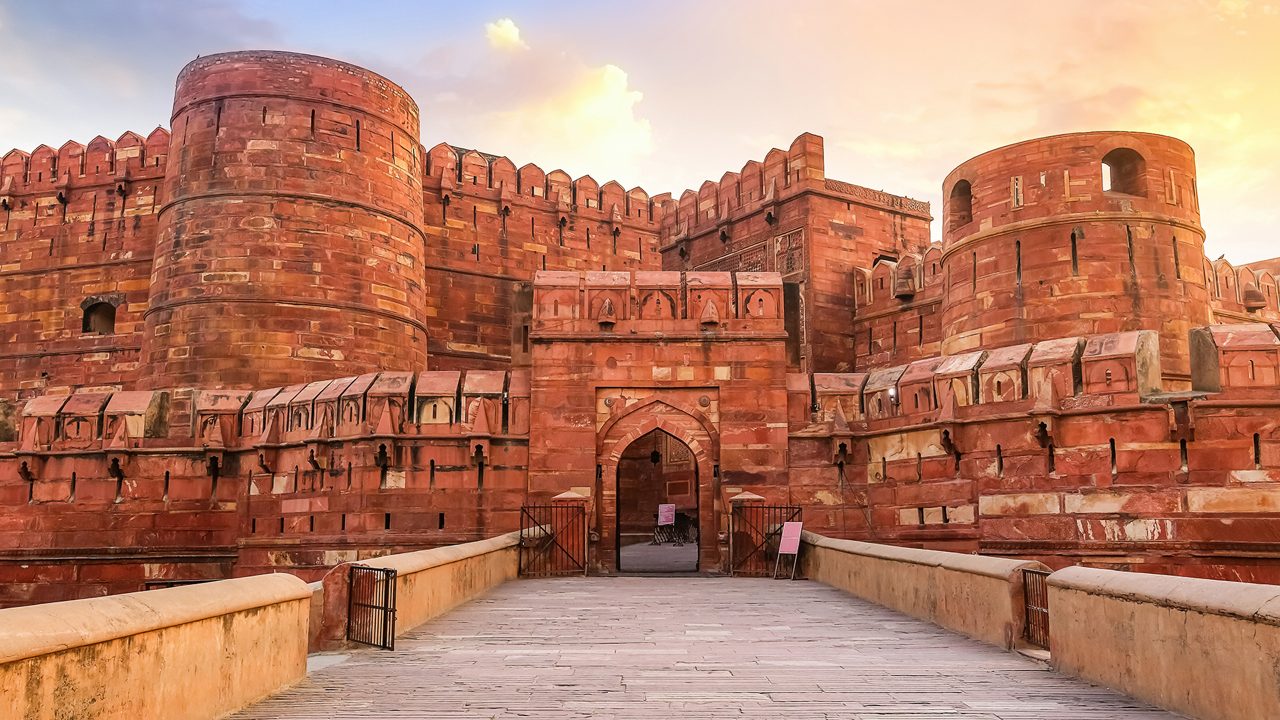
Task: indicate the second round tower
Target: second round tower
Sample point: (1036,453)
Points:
(1074,235)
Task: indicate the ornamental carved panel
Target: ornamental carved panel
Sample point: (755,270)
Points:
(789,252)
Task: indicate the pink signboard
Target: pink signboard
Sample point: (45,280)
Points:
(666,514)
(790,544)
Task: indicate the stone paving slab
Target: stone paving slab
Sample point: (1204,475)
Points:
(665,558)
(689,649)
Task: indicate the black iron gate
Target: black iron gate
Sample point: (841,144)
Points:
(553,540)
(371,607)
(1035,596)
(754,533)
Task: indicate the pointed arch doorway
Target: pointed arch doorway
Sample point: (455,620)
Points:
(657,470)
(687,443)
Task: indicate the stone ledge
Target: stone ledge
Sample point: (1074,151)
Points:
(1244,601)
(413,562)
(999,568)
(35,630)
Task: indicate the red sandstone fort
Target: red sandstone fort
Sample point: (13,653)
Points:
(285,334)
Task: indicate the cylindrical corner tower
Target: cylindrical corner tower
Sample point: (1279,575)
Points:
(290,243)
(1075,234)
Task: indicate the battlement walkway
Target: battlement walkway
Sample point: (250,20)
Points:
(687,649)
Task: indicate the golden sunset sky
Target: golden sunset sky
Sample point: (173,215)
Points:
(667,94)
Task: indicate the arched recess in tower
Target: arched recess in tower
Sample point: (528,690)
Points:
(290,243)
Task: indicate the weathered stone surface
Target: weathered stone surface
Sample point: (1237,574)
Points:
(736,648)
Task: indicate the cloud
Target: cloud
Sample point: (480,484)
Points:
(1233,9)
(591,123)
(543,104)
(895,150)
(504,35)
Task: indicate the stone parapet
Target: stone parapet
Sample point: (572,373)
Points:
(148,655)
(971,594)
(1206,648)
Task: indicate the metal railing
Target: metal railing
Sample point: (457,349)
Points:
(371,607)
(754,533)
(553,540)
(1035,596)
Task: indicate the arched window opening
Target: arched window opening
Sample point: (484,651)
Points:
(960,208)
(1124,171)
(99,319)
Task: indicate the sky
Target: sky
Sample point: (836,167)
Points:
(665,94)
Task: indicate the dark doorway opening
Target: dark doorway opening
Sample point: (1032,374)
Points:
(657,469)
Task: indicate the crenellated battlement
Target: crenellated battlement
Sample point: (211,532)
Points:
(74,165)
(439,404)
(1050,376)
(1240,360)
(1242,294)
(451,169)
(760,186)
(1095,372)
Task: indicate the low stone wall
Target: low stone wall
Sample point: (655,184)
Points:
(971,594)
(432,582)
(428,583)
(1206,648)
(192,652)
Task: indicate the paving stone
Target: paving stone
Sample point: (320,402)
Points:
(605,648)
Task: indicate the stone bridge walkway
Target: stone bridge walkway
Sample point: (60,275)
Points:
(688,649)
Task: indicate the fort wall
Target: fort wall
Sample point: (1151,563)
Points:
(1064,378)
(1066,451)
(77,232)
(490,226)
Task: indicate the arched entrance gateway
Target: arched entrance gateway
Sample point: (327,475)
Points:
(656,498)
(655,453)
(643,387)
